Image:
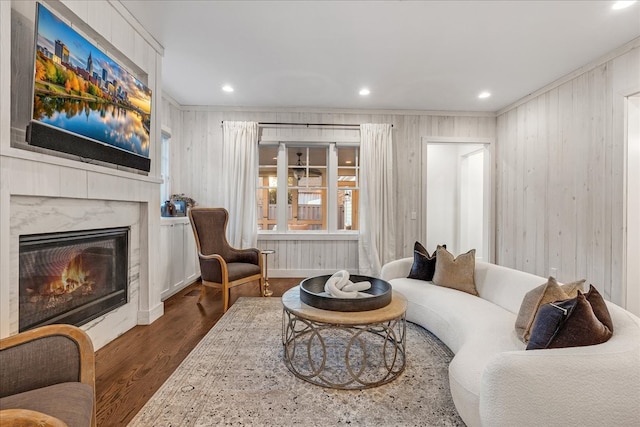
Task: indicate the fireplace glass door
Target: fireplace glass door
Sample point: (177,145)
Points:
(72,277)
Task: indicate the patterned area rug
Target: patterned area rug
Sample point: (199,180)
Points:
(236,376)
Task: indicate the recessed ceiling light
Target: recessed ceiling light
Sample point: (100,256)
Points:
(364,91)
(484,94)
(622,4)
(227,88)
(348,162)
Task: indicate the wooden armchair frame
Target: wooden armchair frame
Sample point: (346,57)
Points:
(28,418)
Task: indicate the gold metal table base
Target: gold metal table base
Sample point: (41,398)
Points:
(344,356)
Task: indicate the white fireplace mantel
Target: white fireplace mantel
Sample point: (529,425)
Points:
(42,194)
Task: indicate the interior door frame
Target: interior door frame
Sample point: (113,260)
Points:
(631,206)
(490,162)
(463,165)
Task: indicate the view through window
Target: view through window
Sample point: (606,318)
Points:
(320,183)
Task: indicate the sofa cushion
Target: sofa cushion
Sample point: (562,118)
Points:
(239,270)
(569,323)
(456,273)
(424,265)
(69,402)
(547,292)
(599,307)
(454,316)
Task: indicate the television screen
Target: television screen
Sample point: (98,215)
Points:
(103,110)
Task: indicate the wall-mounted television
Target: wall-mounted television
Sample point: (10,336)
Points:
(84,102)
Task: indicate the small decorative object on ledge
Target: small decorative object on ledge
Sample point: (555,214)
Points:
(177,205)
(189,202)
(168,208)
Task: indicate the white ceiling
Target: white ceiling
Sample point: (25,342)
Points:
(430,55)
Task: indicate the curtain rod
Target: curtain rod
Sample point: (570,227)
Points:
(307,124)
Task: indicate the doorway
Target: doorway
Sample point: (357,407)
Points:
(457,197)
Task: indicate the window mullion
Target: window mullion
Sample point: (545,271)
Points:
(282,206)
(332,188)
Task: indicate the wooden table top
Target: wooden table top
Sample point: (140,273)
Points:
(395,309)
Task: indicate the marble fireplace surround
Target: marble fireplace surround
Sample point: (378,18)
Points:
(47,197)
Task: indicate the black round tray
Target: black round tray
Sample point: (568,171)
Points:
(312,288)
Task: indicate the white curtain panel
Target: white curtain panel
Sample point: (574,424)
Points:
(239,178)
(376,245)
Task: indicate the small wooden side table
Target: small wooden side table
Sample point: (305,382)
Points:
(266,292)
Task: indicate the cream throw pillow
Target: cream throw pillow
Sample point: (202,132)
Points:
(456,273)
(547,292)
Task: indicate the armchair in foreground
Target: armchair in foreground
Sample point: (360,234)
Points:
(47,377)
(221,265)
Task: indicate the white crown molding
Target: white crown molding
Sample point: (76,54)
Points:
(137,26)
(317,110)
(171,100)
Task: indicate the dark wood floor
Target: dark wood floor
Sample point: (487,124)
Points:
(131,368)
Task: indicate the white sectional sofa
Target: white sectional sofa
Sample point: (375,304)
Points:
(495,382)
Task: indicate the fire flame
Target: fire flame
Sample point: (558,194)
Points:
(74,275)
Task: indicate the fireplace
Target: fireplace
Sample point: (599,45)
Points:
(72,277)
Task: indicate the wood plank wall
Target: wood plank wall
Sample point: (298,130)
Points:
(199,174)
(560,165)
(303,258)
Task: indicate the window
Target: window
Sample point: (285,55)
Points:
(308,187)
(165,187)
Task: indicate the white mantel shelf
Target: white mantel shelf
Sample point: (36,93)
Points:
(17,153)
(41,193)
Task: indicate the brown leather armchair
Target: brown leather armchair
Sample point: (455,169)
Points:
(47,377)
(221,265)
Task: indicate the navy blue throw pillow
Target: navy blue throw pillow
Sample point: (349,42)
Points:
(548,321)
(569,323)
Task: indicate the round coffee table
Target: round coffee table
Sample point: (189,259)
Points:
(344,350)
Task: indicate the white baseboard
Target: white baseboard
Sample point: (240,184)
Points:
(150,316)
